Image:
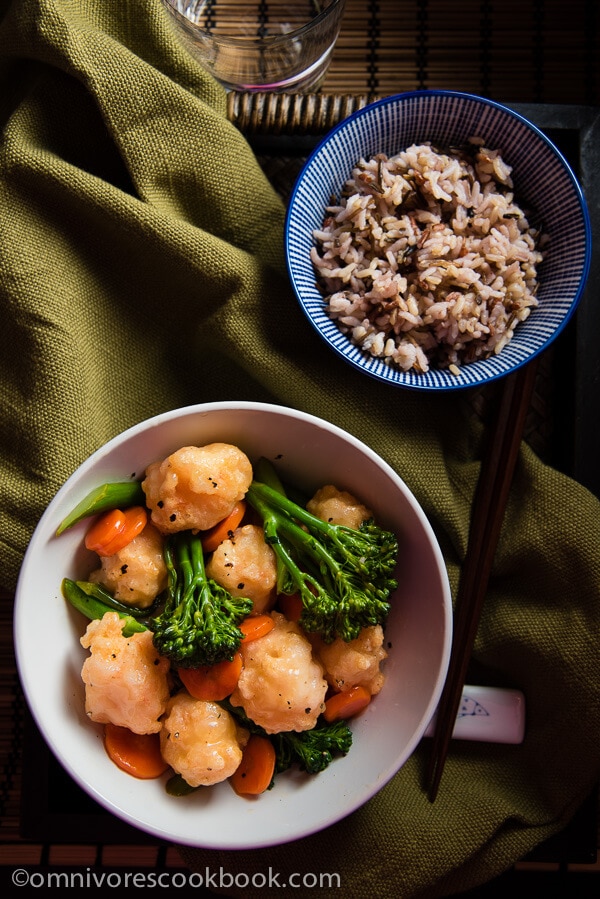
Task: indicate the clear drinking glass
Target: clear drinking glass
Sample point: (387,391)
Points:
(268,46)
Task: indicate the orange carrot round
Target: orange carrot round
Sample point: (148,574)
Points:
(212,682)
(255,772)
(347,704)
(223,529)
(115,529)
(137,754)
(256,626)
(290,606)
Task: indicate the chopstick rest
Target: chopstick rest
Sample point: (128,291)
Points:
(488,715)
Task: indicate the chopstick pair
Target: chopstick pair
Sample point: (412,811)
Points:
(487,515)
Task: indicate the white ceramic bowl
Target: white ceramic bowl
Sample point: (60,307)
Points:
(310,453)
(543,181)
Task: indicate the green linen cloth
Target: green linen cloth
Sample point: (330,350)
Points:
(141,268)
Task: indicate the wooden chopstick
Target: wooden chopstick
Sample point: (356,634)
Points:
(487,515)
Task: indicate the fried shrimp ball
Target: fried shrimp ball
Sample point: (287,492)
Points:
(281,687)
(125,678)
(137,573)
(196,486)
(338,507)
(246,566)
(200,740)
(357,662)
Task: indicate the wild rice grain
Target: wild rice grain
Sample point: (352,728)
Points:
(426,260)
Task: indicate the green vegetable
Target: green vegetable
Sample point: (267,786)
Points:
(312,750)
(97,591)
(177,786)
(265,472)
(101,499)
(94,608)
(344,575)
(199,623)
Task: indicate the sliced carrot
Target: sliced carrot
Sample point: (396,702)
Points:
(212,682)
(223,529)
(290,606)
(255,772)
(106,529)
(115,529)
(346,705)
(137,754)
(256,626)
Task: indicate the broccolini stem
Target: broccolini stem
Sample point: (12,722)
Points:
(265,473)
(294,515)
(187,570)
(344,575)
(199,582)
(172,577)
(288,527)
(193,578)
(199,622)
(288,570)
(369,552)
(263,492)
(196,557)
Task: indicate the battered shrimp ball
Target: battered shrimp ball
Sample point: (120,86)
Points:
(196,486)
(357,662)
(338,507)
(137,573)
(125,679)
(245,565)
(281,686)
(200,740)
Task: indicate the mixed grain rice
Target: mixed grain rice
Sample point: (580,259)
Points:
(426,260)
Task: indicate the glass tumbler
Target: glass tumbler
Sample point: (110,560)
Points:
(268,46)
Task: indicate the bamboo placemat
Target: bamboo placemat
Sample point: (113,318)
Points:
(11,726)
(541,51)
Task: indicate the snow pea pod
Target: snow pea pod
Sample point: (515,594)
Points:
(97,591)
(177,786)
(108,496)
(93,608)
(265,472)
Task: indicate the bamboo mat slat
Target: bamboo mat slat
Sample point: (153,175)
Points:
(11,727)
(518,51)
(513,50)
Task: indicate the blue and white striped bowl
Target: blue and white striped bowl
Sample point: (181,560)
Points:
(543,181)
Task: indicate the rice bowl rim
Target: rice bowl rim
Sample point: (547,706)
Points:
(477,372)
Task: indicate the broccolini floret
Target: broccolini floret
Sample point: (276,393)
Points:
(199,622)
(344,575)
(312,750)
